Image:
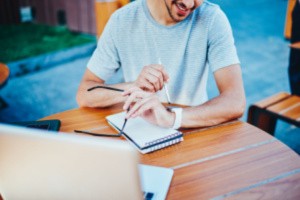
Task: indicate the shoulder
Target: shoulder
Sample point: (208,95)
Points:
(208,11)
(211,15)
(209,8)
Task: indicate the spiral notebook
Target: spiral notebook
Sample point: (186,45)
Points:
(146,137)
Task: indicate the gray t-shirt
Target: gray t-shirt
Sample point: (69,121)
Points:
(132,39)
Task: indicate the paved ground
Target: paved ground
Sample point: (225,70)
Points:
(258,29)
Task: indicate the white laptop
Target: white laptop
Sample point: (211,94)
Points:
(35,164)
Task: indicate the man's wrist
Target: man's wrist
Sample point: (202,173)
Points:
(170,119)
(178,117)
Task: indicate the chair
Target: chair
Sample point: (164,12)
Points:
(104,9)
(4,74)
(288,19)
(284,106)
(294,67)
(264,114)
(295,45)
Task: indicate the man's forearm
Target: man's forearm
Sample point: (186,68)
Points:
(100,97)
(218,110)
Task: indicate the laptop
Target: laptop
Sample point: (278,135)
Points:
(35,164)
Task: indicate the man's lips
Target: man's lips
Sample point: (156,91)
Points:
(181,9)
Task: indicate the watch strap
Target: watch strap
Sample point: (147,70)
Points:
(178,117)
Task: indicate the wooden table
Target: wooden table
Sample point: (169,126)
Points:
(4,74)
(234,160)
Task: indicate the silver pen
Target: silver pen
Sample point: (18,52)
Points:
(165,86)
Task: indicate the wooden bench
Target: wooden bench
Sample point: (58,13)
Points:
(283,106)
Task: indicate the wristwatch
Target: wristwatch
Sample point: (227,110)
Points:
(178,117)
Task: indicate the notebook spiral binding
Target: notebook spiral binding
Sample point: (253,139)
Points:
(163,139)
(163,145)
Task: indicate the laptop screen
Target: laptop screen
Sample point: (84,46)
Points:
(36,165)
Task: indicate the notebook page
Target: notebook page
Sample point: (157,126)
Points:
(139,130)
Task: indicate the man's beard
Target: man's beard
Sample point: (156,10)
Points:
(174,2)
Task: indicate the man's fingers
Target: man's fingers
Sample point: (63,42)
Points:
(134,96)
(141,107)
(152,78)
(146,85)
(154,81)
(159,78)
(162,71)
(129,101)
(135,108)
(147,105)
(130,90)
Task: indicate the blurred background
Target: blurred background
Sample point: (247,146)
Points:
(46,45)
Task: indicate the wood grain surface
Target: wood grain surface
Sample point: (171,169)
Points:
(272,99)
(289,107)
(234,159)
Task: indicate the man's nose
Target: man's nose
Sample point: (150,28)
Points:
(188,3)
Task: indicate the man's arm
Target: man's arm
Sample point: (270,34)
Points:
(150,79)
(230,104)
(98,97)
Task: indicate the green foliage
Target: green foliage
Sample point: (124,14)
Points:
(27,40)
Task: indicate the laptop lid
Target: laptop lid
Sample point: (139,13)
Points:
(37,165)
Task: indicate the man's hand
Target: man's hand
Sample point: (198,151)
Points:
(147,105)
(152,78)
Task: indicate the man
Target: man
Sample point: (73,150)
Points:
(294,64)
(167,41)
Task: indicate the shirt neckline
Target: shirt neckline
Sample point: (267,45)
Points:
(155,23)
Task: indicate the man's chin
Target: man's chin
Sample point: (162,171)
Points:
(179,18)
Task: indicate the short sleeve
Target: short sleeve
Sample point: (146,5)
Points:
(221,47)
(105,59)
